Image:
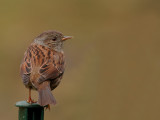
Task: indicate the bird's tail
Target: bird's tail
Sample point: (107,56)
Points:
(45,96)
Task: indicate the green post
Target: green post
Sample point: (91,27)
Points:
(30,111)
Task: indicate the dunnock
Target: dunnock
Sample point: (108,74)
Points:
(43,65)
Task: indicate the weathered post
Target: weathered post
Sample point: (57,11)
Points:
(30,111)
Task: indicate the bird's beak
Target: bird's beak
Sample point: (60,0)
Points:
(66,38)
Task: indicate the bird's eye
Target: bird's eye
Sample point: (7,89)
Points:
(54,39)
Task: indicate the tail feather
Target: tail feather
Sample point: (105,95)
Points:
(46,97)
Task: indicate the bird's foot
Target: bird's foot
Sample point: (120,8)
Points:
(30,101)
(47,107)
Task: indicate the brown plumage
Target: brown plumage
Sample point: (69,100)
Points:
(43,65)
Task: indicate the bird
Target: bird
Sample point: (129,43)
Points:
(43,66)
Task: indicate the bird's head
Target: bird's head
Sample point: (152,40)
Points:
(52,39)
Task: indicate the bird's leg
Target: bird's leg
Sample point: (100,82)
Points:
(47,107)
(29,98)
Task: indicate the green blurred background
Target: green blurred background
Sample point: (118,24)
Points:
(113,62)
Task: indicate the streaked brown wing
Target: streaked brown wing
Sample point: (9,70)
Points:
(50,64)
(25,68)
(53,66)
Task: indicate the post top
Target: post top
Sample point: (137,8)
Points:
(26,105)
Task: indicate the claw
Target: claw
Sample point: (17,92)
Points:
(47,107)
(30,101)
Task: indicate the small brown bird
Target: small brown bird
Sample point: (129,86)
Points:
(43,65)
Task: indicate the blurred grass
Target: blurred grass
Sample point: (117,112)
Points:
(112,63)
